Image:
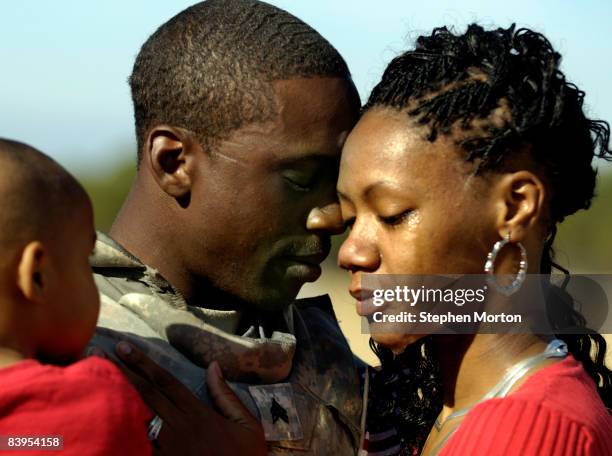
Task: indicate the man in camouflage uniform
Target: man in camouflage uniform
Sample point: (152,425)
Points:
(241,112)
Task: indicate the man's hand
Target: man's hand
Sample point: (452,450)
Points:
(190,427)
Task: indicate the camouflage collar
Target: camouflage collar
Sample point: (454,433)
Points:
(109,254)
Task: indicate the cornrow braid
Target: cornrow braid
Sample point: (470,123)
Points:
(450,81)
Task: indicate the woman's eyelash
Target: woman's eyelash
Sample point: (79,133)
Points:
(394,220)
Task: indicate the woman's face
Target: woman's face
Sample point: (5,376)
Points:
(412,206)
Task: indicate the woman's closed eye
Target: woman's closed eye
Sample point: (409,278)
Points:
(396,219)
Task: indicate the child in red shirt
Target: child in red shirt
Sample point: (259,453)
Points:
(48,311)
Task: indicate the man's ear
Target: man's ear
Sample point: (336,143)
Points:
(171,152)
(33,272)
(522,197)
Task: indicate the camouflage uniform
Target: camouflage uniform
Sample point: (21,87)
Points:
(302,383)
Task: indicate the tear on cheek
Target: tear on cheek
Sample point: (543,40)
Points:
(414,220)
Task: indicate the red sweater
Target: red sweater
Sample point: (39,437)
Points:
(89,403)
(557,411)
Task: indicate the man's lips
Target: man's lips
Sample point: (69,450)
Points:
(314,259)
(305,268)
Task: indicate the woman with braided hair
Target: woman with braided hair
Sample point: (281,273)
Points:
(469,143)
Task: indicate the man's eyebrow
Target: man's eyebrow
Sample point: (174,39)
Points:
(317,158)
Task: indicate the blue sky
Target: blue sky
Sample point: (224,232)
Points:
(65,63)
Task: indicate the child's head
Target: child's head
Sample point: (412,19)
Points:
(48,300)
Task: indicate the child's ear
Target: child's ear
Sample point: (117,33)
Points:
(32,273)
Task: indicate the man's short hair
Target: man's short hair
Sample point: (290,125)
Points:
(209,68)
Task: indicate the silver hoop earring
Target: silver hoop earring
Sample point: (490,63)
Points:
(490,267)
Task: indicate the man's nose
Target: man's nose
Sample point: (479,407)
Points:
(326,218)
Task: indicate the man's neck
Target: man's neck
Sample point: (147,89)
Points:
(142,230)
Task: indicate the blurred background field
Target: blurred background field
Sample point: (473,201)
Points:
(65,64)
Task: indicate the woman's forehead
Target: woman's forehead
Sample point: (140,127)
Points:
(389,144)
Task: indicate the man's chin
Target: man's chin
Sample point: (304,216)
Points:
(282,286)
(276,298)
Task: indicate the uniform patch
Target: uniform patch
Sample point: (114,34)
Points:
(276,406)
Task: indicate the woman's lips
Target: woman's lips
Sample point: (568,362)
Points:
(364,305)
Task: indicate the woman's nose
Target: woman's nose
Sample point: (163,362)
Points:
(357,252)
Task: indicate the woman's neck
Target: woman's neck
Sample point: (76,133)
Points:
(471,365)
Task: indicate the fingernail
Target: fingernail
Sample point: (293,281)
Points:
(124,348)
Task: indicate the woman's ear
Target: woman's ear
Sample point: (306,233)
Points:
(170,153)
(33,272)
(522,197)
